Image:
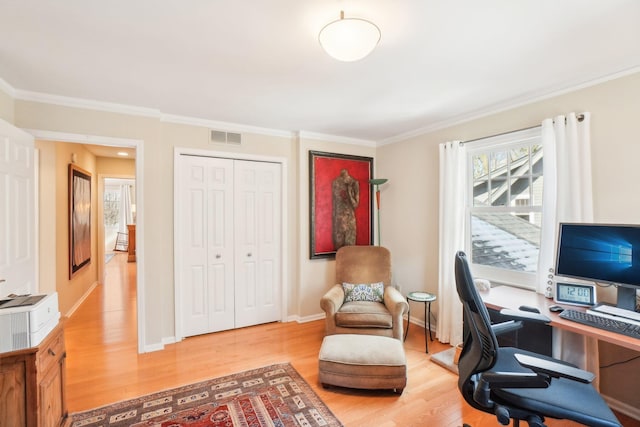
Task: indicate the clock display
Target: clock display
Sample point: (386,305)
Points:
(571,293)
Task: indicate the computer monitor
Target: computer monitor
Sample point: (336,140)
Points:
(602,253)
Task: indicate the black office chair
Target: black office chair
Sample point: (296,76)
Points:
(518,384)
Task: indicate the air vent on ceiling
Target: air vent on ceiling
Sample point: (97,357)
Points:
(226,137)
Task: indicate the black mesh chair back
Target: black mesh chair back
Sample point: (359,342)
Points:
(515,384)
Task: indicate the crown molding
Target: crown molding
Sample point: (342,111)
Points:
(7,88)
(530,98)
(527,99)
(224,126)
(338,139)
(66,101)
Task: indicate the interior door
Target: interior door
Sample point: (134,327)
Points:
(206,244)
(258,225)
(17,212)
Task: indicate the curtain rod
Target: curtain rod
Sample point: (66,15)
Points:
(580,118)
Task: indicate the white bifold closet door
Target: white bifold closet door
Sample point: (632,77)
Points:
(229,242)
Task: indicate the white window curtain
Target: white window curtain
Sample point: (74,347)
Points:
(453,173)
(568,197)
(126,213)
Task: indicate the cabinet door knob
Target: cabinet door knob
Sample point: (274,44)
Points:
(249,255)
(218,256)
(51,352)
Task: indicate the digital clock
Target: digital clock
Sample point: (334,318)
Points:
(575,294)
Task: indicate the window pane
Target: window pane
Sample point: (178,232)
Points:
(499,191)
(480,167)
(520,192)
(481,193)
(505,240)
(498,165)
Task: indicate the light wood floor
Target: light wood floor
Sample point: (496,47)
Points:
(103,365)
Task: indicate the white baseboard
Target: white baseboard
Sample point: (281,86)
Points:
(306,319)
(153,347)
(81,300)
(622,407)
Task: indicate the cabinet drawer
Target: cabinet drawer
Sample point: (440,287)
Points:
(50,352)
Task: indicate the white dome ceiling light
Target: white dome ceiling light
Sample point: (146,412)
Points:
(349,39)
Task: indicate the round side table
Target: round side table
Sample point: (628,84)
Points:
(427,299)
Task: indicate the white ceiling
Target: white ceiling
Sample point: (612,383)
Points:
(259,63)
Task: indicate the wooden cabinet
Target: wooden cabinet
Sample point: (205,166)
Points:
(32,384)
(131,228)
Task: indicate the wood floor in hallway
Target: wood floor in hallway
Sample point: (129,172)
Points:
(103,365)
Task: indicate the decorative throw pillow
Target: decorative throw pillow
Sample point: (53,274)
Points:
(363,292)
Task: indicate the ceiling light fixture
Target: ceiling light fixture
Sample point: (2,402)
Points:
(349,39)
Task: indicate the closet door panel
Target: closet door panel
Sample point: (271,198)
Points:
(257,236)
(206,244)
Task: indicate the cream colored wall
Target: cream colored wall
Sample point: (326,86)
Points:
(316,275)
(113,167)
(47,217)
(54,223)
(159,140)
(6,106)
(410,199)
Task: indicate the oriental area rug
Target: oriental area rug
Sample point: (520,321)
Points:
(272,396)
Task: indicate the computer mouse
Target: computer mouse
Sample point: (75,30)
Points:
(556,309)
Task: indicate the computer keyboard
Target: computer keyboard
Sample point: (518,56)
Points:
(607,323)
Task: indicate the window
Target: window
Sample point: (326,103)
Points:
(505,207)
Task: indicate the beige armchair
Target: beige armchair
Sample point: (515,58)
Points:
(364,265)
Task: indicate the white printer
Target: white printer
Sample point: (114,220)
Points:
(26,320)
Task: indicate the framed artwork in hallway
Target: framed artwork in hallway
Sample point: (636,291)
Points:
(79,219)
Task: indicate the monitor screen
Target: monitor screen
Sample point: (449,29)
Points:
(599,253)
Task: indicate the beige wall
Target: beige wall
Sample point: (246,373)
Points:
(112,167)
(54,223)
(410,199)
(159,140)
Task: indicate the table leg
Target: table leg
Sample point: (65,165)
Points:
(406,331)
(426,343)
(430,337)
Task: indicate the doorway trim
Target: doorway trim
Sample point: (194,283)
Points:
(177,262)
(138,144)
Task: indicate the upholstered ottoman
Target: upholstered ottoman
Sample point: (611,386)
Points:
(363,361)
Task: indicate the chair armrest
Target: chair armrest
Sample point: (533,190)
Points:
(395,302)
(554,369)
(397,306)
(525,315)
(504,327)
(332,300)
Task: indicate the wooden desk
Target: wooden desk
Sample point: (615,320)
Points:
(508,297)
